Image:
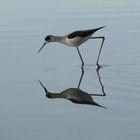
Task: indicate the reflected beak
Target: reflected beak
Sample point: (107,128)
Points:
(42,47)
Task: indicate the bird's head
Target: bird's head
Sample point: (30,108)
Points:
(48,95)
(48,38)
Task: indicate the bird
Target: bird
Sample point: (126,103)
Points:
(74,95)
(75,39)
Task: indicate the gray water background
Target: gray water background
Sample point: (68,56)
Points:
(25,112)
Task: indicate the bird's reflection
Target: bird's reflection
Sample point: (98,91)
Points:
(76,95)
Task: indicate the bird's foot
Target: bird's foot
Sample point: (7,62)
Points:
(98,66)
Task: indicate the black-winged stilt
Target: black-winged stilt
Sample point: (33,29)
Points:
(75,39)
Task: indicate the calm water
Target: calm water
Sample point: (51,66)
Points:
(25,112)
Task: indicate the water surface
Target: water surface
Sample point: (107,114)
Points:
(25,112)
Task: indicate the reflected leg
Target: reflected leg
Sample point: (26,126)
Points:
(102,86)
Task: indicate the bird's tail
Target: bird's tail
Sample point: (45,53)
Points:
(96,104)
(96,29)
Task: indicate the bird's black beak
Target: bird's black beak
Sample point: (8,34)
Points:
(42,47)
(43,86)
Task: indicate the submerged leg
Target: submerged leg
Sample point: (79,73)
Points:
(103,38)
(80,56)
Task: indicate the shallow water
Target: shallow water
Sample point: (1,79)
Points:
(25,112)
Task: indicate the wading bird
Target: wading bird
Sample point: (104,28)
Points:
(75,39)
(75,95)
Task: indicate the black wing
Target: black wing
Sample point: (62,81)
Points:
(79,101)
(83,33)
(86,102)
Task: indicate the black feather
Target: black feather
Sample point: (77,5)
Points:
(83,33)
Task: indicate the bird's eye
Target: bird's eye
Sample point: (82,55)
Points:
(47,38)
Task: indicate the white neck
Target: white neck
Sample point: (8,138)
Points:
(60,39)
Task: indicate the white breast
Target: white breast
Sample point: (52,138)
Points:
(75,42)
